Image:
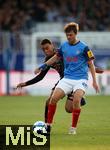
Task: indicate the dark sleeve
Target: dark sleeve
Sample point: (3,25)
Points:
(88,54)
(59,52)
(38,77)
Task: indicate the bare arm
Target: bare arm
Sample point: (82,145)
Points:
(92,70)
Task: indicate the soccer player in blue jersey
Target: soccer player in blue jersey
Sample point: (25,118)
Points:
(78,59)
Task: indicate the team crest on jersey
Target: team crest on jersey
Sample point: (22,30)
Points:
(84,84)
(90,54)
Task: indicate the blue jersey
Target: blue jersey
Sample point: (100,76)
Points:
(76,59)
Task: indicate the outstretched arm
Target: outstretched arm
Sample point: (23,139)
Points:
(34,80)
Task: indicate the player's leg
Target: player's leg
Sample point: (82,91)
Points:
(62,89)
(79,91)
(56,96)
(78,94)
(69,103)
(47,103)
(46,108)
(69,106)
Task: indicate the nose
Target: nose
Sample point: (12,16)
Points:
(68,37)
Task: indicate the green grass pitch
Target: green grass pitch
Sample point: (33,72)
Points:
(93,129)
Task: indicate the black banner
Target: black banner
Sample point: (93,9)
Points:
(22,137)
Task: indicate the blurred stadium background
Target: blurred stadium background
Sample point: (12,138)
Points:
(24,23)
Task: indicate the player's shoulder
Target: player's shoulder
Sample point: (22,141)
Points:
(83,44)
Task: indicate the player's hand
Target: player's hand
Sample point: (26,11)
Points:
(36,71)
(20,85)
(96,87)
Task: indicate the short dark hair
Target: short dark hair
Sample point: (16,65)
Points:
(45,41)
(72,26)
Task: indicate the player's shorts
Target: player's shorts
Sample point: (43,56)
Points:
(55,86)
(69,96)
(68,85)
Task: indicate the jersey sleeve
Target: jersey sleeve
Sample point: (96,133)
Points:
(38,77)
(88,54)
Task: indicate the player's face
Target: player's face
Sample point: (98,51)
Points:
(48,49)
(71,37)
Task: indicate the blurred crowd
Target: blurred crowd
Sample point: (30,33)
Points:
(91,15)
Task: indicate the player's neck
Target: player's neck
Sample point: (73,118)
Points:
(74,42)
